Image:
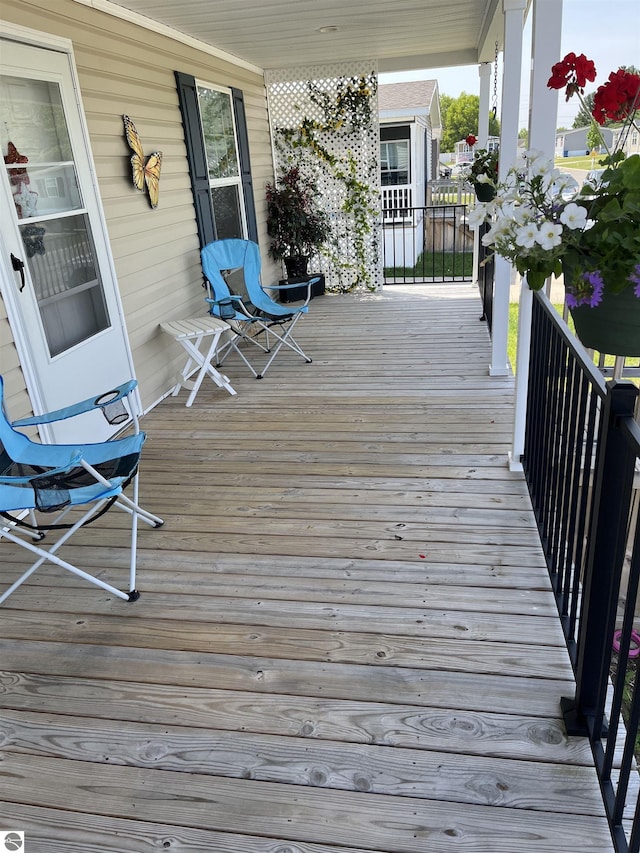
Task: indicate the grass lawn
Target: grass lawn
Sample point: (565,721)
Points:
(512,336)
(512,340)
(583,162)
(435,265)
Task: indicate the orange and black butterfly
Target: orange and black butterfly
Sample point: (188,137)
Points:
(145,170)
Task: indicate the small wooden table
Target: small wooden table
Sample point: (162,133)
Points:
(190,334)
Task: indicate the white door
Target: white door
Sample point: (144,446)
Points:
(58,281)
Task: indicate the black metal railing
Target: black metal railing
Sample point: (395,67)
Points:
(432,243)
(485,276)
(582,447)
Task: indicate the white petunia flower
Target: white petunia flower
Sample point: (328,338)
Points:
(550,182)
(549,235)
(533,154)
(494,233)
(574,216)
(520,214)
(511,181)
(527,235)
(541,166)
(477,215)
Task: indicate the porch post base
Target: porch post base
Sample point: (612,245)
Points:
(575,723)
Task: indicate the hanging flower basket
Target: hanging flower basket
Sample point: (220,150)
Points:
(485,192)
(613,326)
(541,225)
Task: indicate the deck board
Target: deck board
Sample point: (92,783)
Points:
(346,640)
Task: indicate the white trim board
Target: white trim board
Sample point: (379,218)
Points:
(139,20)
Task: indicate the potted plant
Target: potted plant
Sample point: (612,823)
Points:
(593,236)
(483,172)
(296,224)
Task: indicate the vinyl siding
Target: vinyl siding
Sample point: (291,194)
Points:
(123,68)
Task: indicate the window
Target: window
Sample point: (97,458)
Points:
(218,151)
(218,130)
(394,163)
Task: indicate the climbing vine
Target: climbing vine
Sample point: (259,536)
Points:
(324,141)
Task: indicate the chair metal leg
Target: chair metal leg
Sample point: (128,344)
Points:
(124,501)
(287,340)
(50,556)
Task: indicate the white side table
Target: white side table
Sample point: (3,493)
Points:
(192,334)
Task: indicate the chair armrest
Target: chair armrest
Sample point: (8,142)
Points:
(308,284)
(100,402)
(296,284)
(232,296)
(227,307)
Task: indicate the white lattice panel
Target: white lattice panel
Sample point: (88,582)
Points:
(340,159)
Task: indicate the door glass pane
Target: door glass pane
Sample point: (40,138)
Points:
(226,212)
(66,280)
(54,227)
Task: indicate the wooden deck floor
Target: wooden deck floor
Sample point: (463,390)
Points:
(346,640)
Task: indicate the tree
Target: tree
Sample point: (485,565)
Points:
(445,103)
(584,117)
(594,140)
(460,118)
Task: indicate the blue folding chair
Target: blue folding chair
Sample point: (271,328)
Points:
(41,479)
(258,313)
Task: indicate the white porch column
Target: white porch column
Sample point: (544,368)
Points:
(543,114)
(484,70)
(513,24)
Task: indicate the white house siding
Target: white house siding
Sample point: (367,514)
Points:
(16,398)
(123,68)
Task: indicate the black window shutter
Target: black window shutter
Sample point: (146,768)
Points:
(197,157)
(245,164)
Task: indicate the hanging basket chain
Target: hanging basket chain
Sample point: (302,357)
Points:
(494,102)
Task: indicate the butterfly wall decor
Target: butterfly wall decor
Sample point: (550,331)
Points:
(146,170)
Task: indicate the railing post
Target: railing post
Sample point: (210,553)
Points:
(612,487)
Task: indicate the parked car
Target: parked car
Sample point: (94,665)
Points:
(594,177)
(461,171)
(569,187)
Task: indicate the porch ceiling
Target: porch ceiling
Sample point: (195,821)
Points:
(400,34)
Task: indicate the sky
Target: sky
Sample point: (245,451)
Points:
(607,31)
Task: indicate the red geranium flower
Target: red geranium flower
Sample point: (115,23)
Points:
(617,98)
(471,140)
(572,72)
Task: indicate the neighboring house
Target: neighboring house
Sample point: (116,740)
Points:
(103,267)
(630,145)
(463,152)
(410,131)
(573,143)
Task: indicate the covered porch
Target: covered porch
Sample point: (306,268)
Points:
(346,639)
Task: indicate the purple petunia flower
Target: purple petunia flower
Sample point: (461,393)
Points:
(597,287)
(587,290)
(634,278)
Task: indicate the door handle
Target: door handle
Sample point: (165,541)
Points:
(18,266)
